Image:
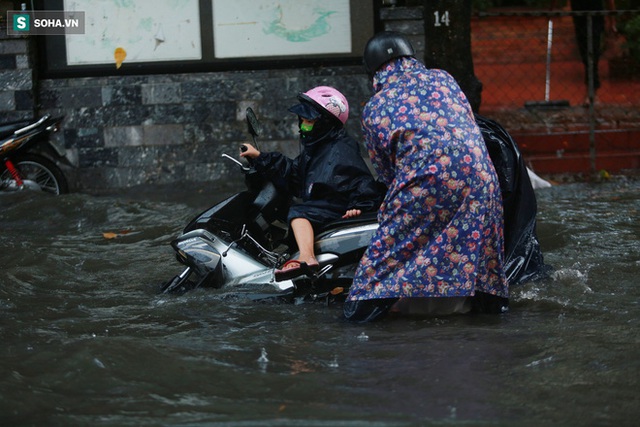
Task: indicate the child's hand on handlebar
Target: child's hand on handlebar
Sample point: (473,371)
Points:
(249,151)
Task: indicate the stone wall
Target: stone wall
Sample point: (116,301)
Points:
(17,78)
(125,131)
(122,131)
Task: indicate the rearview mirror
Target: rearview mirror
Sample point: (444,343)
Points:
(252,123)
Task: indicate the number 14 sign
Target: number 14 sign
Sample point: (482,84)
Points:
(441,18)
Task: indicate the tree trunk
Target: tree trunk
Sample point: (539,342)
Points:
(447,29)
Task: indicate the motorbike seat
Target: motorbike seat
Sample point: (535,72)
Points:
(364,218)
(7,129)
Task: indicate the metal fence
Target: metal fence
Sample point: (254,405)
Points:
(532,58)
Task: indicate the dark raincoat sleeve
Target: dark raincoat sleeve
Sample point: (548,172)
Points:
(353,178)
(364,193)
(280,170)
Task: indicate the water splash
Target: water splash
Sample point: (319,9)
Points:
(334,363)
(539,362)
(572,275)
(263,360)
(575,276)
(263,356)
(363,337)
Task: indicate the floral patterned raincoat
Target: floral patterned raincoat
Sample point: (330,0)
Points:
(441,224)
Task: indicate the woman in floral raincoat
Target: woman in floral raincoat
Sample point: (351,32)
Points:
(440,239)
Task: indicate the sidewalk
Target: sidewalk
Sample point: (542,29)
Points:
(510,60)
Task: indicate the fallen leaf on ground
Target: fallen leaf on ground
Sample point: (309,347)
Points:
(112,235)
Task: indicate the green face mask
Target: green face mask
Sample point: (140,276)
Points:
(306,127)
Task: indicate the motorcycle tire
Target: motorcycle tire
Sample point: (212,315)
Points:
(38,172)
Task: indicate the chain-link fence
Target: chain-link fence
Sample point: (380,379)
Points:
(534,58)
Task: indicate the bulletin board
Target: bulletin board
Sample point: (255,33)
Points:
(149,36)
(141,31)
(258,28)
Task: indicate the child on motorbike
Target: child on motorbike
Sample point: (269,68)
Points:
(329,176)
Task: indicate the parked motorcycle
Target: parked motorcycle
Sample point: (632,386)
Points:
(25,166)
(240,242)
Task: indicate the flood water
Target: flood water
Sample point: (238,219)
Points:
(86,340)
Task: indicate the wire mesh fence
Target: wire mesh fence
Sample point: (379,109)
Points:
(533,58)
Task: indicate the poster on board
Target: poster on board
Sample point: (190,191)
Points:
(138,37)
(135,31)
(261,28)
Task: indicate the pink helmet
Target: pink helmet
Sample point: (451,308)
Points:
(330,99)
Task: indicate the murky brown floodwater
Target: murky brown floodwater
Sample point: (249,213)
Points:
(86,340)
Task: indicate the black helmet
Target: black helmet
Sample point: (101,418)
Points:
(383,47)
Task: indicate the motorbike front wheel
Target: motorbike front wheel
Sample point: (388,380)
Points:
(37,173)
(179,284)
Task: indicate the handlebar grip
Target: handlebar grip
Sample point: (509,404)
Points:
(243,148)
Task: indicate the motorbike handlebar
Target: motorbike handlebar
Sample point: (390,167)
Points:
(243,167)
(32,126)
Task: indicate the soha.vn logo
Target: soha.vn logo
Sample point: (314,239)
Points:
(21,22)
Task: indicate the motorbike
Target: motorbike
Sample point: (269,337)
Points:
(523,258)
(240,242)
(27,152)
